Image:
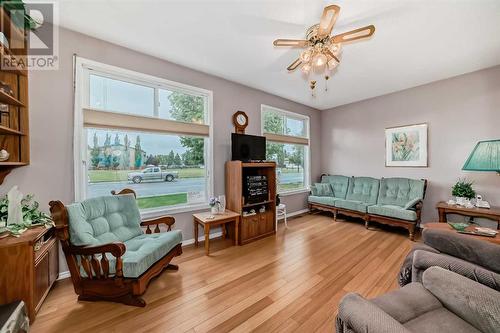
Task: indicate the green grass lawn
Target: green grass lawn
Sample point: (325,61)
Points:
(162,200)
(97,176)
(290,186)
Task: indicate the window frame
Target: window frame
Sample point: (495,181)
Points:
(291,139)
(82,68)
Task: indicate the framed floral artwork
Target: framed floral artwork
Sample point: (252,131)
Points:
(406,146)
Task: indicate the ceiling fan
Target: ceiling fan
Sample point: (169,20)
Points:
(322,50)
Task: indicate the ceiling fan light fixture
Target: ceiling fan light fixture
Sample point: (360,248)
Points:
(319,60)
(335,48)
(305,56)
(306,68)
(332,64)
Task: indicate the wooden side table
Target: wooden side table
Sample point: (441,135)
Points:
(444,209)
(446,226)
(205,220)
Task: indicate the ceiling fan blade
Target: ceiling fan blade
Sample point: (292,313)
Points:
(330,53)
(291,42)
(330,14)
(294,65)
(354,34)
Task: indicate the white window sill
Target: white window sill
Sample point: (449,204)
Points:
(293,192)
(152,213)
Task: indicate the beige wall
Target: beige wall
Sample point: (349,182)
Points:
(459,111)
(50,175)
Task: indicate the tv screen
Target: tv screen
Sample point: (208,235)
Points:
(248,147)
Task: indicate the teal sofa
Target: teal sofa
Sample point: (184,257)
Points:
(393,201)
(109,255)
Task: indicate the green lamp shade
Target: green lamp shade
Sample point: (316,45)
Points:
(484,157)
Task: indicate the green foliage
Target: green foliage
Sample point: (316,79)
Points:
(463,188)
(297,157)
(190,109)
(94,153)
(138,153)
(274,123)
(32,216)
(177,160)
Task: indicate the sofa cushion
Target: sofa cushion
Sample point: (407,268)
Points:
(323,190)
(439,320)
(393,211)
(400,191)
(351,205)
(103,220)
(339,184)
(144,250)
(329,201)
(364,189)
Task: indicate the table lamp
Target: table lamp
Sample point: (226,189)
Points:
(484,157)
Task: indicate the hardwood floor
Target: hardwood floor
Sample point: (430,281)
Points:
(288,283)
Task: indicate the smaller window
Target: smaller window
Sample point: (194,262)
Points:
(287,144)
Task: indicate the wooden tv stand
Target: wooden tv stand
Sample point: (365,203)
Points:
(256,226)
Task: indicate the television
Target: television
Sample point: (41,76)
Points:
(248,147)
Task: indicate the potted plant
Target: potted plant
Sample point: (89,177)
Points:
(31,216)
(463,191)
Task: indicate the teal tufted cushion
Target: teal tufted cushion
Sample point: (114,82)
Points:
(400,191)
(364,189)
(321,200)
(323,190)
(142,252)
(339,184)
(351,205)
(103,220)
(393,211)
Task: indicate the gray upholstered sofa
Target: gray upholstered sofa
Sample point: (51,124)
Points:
(444,302)
(393,201)
(475,259)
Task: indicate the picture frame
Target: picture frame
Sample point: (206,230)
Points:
(406,146)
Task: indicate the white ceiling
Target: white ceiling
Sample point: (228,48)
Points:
(415,42)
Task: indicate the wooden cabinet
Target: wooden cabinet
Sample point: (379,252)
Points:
(259,225)
(30,266)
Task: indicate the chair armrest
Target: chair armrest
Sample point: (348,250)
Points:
(412,204)
(360,315)
(405,272)
(473,250)
(94,261)
(116,249)
(473,302)
(169,221)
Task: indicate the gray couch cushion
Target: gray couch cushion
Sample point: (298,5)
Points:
(439,320)
(404,276)
(471,301)
(484,254)
(422,260)
(407,303)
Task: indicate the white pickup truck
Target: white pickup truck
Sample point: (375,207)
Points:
(152,173)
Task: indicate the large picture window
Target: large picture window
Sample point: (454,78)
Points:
(144,133)
(287,136)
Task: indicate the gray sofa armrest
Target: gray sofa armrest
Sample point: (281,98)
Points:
(471,301)
(357,314)
(405,272)
(422,260)
(473,250)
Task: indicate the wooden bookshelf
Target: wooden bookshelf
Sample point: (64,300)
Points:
(14,121)
(258,225)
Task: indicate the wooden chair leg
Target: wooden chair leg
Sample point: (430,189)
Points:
(412,233)
(128,299)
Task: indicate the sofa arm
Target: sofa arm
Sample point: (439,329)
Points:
(469,300)
(473,250)
(423,260)
(169,221)
(94,261)
(405,272)
(357,314)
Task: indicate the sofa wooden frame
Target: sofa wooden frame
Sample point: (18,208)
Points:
(99,284)
(367,217)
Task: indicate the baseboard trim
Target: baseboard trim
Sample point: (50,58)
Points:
(66,274)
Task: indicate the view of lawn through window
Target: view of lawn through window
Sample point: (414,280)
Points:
(290,158)
(163,169)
